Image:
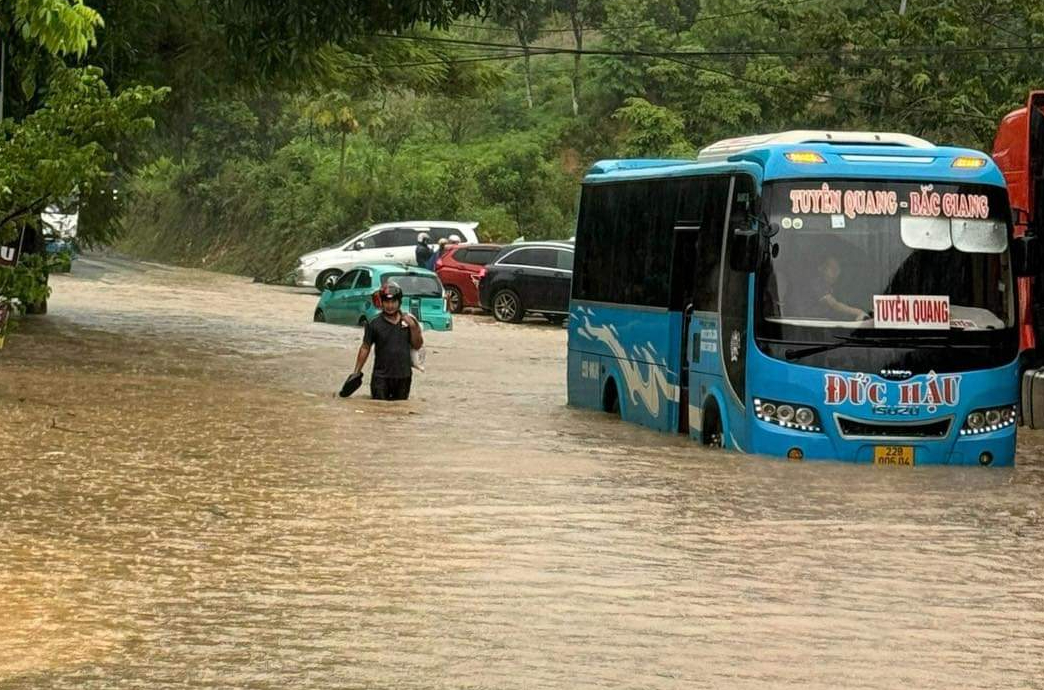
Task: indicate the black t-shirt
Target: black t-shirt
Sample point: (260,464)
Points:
(423,254)
(392,342)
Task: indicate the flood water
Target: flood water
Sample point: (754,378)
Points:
(184,503)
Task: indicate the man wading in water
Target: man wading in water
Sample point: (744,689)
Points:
(394,334)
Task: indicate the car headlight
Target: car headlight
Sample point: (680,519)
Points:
(309,261)
(787,415)
(987,419)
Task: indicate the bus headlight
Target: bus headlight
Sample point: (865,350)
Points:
(989,419)
(787,415)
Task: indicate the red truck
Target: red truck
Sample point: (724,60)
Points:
(1018,150)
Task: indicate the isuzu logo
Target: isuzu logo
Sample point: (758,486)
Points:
(896,374)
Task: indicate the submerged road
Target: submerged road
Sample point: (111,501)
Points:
(184,503)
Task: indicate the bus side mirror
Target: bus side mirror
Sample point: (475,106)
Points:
(743,254)
(1025,256)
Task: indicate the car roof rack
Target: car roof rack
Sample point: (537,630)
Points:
(726,148)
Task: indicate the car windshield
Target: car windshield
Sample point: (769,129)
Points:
(415,285)
(348,241)
(887,255)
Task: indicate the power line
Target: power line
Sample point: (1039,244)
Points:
(695,20)
(822,52)
(673,58)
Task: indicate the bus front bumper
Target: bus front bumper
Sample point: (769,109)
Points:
(996,449)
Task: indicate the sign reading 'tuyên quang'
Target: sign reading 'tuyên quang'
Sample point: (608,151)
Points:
(912,311)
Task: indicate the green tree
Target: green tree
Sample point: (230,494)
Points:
(583,15)
(652,130)
(334,111)
(525,18)
(58,141)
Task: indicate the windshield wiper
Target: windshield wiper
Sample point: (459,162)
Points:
(934,341)
(842,341)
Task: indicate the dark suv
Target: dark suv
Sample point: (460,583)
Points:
(528,277)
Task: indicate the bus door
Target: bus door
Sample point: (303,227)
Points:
(695,282)
(734,308)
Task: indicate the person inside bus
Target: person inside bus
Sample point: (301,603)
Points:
(819,300)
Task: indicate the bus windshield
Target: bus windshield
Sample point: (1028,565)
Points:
(908,259)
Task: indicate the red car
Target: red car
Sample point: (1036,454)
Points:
(459,268)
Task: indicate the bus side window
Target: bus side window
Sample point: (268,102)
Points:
(698,225)
(734,296)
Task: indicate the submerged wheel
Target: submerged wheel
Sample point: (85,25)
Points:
(507,307)
(454,299)
(320,280)
(713,437)
(611,399)
(319,316)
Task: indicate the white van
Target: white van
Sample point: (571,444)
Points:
(383,243)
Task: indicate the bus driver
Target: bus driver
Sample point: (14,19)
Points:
(818,301)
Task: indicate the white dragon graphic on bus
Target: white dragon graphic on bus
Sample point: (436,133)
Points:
(649,388)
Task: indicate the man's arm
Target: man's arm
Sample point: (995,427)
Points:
(364,349)
(843,308)
(416,337)
(360,359)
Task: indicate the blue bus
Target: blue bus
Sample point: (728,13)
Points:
(809,295)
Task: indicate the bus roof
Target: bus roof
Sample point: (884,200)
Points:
(866,155)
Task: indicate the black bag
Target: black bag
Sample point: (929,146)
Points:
(351,384)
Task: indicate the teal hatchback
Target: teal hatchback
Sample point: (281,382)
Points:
(350,300)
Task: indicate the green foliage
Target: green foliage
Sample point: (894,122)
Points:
(61,27)
(58,150)
(652,130)
(22,284)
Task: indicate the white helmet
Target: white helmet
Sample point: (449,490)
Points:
(454,239)
(423,237)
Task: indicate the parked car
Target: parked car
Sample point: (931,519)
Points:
(350,299)
(386,242)
(459,269)
(528,277)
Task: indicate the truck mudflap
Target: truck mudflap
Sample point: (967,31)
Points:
(1033,398)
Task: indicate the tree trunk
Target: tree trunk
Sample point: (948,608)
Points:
(340,170)
(522,39)
(578,35)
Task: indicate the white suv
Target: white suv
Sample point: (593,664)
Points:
(383,243)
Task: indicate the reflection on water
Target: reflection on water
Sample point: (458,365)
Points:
(183,502)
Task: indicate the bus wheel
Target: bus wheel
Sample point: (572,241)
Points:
(611,399)
(319,316)
(712,434)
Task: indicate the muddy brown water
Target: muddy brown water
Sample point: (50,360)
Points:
(183,503)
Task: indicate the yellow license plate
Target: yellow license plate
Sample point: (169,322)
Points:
(893,455)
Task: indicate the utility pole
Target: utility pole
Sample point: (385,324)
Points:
(902,6)
(3,66)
